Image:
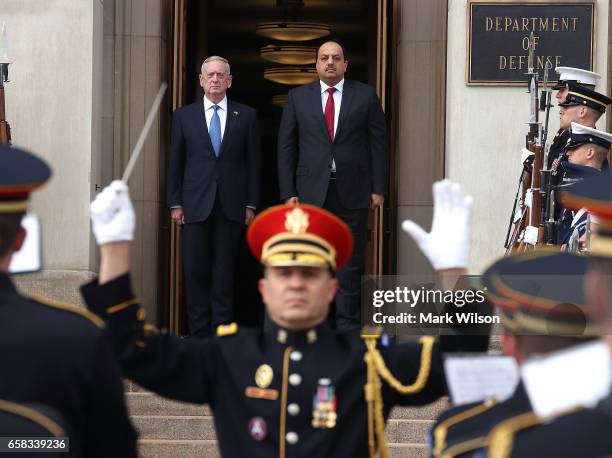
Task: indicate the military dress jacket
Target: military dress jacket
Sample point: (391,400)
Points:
(57,355)
(20,420)
(273,392)
(463,431)
(584,433)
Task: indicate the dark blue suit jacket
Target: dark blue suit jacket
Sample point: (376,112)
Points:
(359,148)
(196,174)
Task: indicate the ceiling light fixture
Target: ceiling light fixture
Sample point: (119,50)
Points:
(292,31)
(290,55)
(279,100)
(290,75)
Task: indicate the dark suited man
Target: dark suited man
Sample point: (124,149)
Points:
(332,152)
(213,190)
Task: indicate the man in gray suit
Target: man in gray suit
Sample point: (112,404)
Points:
(332,152)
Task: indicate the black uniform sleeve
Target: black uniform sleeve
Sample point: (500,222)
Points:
(287,155)
(111,433)
(181,369)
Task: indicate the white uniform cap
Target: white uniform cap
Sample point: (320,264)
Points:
(582,134)
(577,74)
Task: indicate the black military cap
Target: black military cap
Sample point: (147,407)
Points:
(544,292)
(20,173)
(578,95)
(505,306)
(594,194)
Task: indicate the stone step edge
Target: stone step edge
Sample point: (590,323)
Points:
(214,442)
(207,417)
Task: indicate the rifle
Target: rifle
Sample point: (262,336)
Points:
(530,206)
(548,235)
(5,128)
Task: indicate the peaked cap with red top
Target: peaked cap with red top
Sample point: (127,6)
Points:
(300,235)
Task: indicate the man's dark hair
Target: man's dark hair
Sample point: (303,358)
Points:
(333,40)
(10,223)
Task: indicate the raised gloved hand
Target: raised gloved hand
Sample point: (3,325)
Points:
(112,214)
(447,246)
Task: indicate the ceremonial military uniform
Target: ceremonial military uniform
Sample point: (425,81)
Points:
(572,224)
(557,147)
(583,433)
(32,420)
(577,76)
(532,291)
(279,392)
(57,354)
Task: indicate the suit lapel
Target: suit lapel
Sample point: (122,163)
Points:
(202,127)
(345,106)
(315,100)
(230,121)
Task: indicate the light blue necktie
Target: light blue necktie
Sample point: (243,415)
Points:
(215,131)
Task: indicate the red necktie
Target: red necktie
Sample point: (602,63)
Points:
(329,112)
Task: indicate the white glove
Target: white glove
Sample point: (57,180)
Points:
(531,235)
(448,244)
(529,198)
(112,214)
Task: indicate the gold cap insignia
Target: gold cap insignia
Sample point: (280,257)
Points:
(263,376)
(296,221)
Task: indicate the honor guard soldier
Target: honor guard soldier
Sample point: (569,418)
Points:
(53,353)
(582,105)
(543,309)
(568,75)
(571,390)
(297,388)
(586,150)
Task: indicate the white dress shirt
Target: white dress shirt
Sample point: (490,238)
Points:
(222,112)
(337,102)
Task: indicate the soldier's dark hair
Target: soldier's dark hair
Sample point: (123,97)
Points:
(10,223)
(333,40)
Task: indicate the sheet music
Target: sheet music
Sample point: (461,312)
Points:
(29,258)
(474,378)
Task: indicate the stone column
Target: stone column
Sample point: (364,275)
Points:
(421,54)
(140,65)
(53,105)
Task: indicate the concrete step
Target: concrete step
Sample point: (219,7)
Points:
(208,449)
(146,403)
(178,449)
(171,429)
(202,428)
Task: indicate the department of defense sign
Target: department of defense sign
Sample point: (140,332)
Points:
(499,35)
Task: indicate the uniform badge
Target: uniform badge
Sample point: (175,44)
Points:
(324,405)
(258,429)
(263,376)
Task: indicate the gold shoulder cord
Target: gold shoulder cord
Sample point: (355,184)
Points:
(441,431)
(501,438)
(34,416)
(376,369)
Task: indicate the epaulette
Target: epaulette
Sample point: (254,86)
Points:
(440,432)
(501,438)
(95,319)
(371,332)
(227,329)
